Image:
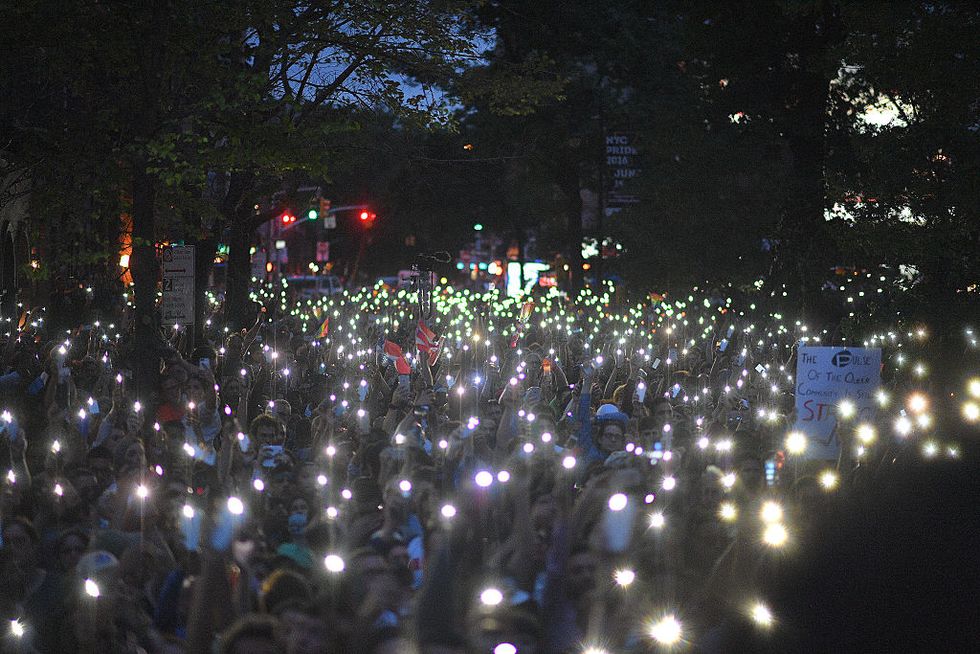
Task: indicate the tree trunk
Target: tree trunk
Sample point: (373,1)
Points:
(145,269)
(238,217)
(203,265)
(571,188)
(239,271)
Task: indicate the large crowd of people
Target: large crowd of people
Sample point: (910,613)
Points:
(372,474)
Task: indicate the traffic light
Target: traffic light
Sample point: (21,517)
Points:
(364,216)
(324,207)
(287,218)
(312,214)
(367,218)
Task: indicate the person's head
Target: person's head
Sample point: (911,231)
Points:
(134,422)
(649,432)
(281,588)
(610,429)
(99,461)
(87,373)
(304,632)
(129,455)
(20,542)
(251,634)
(283,410)
(233,345)
(25,363)
(611,437)
(266,430)
(298,511)
(196,388)
(751,473)
(170,389)
(205,353)
(71,546)
(232,388)
(545,420)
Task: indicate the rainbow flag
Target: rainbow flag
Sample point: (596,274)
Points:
(324,328)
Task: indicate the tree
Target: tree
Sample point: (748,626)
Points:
(902,181)
(180,91)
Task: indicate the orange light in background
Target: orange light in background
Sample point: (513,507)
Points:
(125,246)
(586,266)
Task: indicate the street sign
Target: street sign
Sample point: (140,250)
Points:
(330,221)
(825,377)
(323,251)
(178,285)
(179,260)
(621,167)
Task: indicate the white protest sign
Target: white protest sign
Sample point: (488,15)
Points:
(826,376)
(178,285)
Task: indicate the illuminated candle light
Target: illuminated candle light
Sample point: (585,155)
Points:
(775,535)
(92,588)
(829,480)
(796,443)
(666,631)
(771,512)
(866,434)
(917,403)
(624,577)
(334,563)
(617,502)
(727,511)
(491,596)
(761,615)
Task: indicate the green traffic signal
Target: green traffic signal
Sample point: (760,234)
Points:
(478,227)
(312,214)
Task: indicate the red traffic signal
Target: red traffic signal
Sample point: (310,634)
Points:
(367,218)
(287,218)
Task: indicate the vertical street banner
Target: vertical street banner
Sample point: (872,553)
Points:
(622,167)
(826,376)
(178,285)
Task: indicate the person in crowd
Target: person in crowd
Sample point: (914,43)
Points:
(536,476)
